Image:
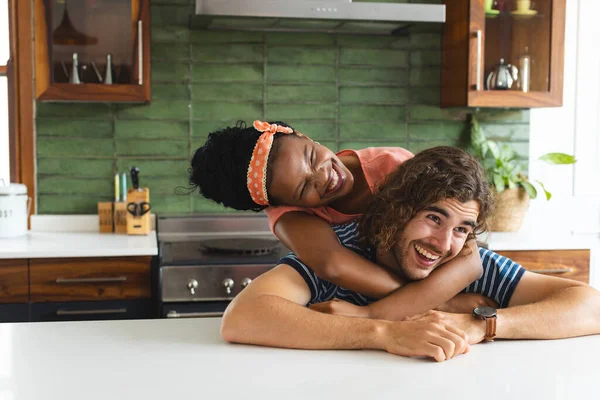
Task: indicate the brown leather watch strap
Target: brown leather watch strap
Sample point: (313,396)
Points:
(490,329)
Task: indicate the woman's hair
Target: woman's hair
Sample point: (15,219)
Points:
(219,168)
(430,176)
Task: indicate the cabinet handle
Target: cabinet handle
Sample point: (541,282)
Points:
(140,53)
(478,36)
(175,314)
(92,312)
(551,271)
(91,280)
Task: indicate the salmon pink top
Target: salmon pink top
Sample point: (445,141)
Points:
(376,163)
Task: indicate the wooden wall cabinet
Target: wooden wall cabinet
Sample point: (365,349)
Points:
(568,264)
(475,41)
(93,31)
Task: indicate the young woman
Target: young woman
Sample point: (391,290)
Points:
(305,188)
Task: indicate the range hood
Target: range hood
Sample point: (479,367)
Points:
(367,16)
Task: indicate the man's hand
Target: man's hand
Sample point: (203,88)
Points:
(432,334)
(340,307)
(473,327)
(466,303)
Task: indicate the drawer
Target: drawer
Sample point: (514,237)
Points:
(569,264)
(92,310)
(14,312)
(79,279)
(14,281)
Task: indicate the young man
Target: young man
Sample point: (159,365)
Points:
(422,217)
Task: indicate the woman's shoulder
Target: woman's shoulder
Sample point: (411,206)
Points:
(379,154)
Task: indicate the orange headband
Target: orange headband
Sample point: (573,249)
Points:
(257,170)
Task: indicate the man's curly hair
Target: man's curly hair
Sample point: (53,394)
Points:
(434,174)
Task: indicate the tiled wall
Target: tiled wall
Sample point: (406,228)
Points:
(345,91)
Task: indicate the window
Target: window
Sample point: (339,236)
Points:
(4,56)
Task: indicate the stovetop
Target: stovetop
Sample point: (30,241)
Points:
(195,253)
(188,240)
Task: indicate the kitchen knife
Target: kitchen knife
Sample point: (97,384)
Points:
(135,178)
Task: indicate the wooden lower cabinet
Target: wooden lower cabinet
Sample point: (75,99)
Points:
(92,310)
(70,289)
(85,279)
(14,281)
(569,264)
(14,312)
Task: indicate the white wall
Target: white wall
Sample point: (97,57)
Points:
(575,129)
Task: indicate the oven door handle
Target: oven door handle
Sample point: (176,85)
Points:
(175,314)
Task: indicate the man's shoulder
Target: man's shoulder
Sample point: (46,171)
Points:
(349,236)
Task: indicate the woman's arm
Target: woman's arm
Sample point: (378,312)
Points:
(316,244)
(416,297)
(439,287)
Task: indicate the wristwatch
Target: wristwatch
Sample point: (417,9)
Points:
(488,314)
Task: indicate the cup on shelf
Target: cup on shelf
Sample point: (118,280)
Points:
(523,5)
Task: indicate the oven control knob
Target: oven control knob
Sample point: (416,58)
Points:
(246,282)
(192,285)
(228,284)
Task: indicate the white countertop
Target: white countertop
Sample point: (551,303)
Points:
(187,359)
(540,240)
(77,244)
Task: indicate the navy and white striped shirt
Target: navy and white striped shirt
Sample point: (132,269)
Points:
(498,282)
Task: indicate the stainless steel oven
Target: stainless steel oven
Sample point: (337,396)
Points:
(206,260)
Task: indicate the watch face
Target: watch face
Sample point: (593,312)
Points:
(485,312)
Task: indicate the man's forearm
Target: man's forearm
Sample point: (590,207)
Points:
(569,312)
(273,321)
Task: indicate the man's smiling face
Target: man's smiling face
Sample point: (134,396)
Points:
(432,237)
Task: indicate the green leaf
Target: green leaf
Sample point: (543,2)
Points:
(530,189)
(558,158)
(478,139)
(517,170)
(511,184)
(507,153)
(494,149)
(499,183)
(548,194)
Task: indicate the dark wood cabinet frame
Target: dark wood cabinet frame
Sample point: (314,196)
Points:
(19,72)
(459,60)
(46,90)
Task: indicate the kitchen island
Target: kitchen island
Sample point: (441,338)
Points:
(187,359)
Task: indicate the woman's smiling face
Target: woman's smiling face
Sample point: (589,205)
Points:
(307,174)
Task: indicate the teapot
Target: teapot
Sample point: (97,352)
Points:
(502,76)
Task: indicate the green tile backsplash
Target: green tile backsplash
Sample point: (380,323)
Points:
(347,91)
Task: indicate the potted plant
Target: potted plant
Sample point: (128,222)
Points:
(512,186)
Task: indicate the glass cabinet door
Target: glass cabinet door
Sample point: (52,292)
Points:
(503,53)
(91,42)
(92,50)
(517,45)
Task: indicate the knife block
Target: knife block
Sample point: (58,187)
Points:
(138,225)
(105,216)
(120,216)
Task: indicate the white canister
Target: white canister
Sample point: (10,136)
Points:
(14,210)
